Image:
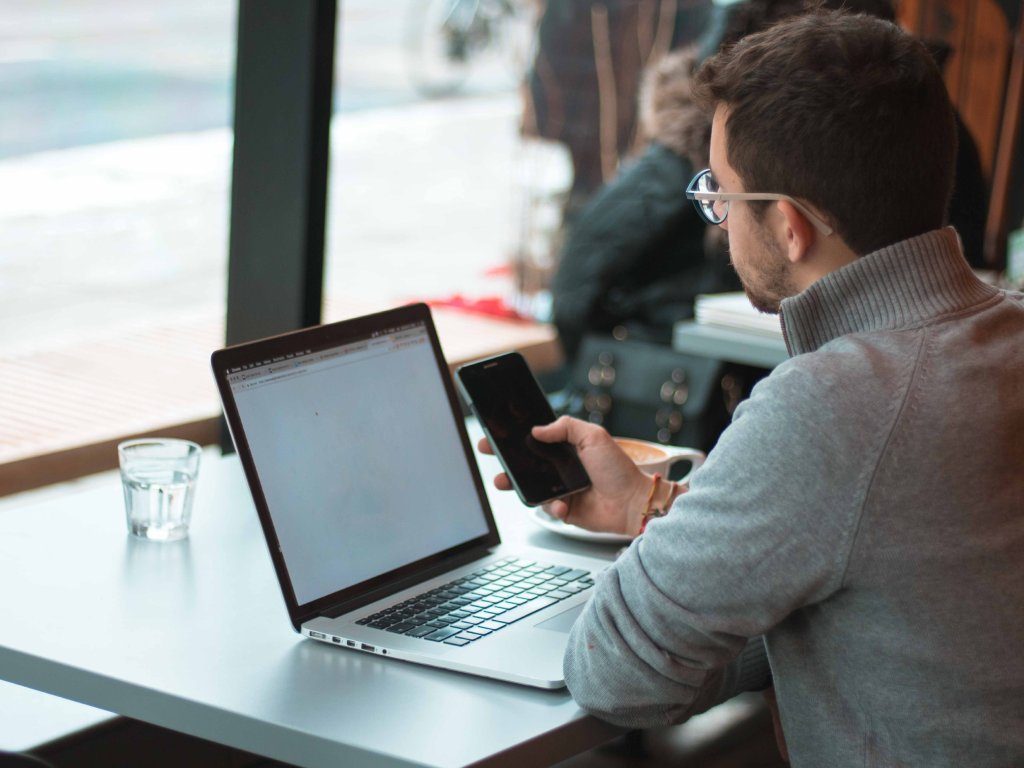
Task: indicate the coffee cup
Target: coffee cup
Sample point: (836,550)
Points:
(654,458)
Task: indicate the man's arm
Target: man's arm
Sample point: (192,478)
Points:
(765,529)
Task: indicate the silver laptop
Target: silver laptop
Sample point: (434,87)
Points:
(368,492)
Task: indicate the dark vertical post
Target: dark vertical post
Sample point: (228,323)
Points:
(284,80)
(283,88)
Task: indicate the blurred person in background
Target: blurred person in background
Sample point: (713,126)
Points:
(636,254)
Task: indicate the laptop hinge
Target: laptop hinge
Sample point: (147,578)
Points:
(409,581)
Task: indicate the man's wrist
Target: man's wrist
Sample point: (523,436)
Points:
(638,505)
(654,499)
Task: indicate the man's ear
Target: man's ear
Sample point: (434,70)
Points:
(799,235)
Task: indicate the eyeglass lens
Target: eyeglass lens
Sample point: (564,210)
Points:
(714,211)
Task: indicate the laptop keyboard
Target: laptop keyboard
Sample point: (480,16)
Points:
(485,601)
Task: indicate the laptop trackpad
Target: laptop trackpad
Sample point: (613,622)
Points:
(562,622)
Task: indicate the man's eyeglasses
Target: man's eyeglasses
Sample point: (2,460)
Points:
(713,205)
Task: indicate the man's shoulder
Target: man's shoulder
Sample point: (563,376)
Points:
(856,364)
(848,389)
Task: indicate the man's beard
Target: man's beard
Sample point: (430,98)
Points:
(771,281)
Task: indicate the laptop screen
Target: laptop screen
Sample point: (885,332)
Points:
(360,461)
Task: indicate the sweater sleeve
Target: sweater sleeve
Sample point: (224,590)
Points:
(765,530)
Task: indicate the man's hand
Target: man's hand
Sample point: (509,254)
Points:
(616,500)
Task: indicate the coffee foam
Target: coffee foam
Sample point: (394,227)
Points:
(641,453)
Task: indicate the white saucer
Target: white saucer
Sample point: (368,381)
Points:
(546,521)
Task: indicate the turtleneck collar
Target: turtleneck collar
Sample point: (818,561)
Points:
(899,286)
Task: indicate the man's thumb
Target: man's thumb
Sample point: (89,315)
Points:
(558,431)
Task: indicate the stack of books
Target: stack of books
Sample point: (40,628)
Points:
(733,311)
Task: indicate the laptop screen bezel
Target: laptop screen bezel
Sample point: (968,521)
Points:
(324,337)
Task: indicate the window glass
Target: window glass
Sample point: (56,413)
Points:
(468,134)
(115,150)
(429,172)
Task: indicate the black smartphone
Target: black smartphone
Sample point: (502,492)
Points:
(509,402)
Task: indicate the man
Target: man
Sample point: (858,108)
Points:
(864,512)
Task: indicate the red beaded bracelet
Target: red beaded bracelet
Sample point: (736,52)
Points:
(650,511)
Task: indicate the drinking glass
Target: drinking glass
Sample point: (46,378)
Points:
(158,475)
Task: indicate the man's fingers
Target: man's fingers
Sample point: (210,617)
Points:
(557,508)
(502,483)
(484,446)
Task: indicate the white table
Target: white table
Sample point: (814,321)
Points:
(194,636)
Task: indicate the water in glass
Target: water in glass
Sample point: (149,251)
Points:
(159,503)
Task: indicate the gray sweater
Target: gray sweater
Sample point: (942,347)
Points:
(865,513)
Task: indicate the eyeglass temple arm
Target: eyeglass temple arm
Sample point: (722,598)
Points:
(816,220)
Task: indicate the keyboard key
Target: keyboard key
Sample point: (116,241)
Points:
(441,634)
(490,614)
(524,610)
(517,600)
(456,641)
(367,620)
(460,614)
(402,628)
(556,570)
(559,594)
(492,625)
(576,574)
(478,631)
(466,635)
(421,631)
(505,605)
(472,621)
(462,625)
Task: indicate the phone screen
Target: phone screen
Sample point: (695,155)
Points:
(509,403)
